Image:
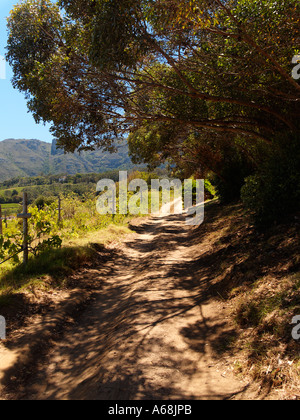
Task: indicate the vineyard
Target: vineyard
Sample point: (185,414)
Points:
(53,216)
(50,220)
(69,217)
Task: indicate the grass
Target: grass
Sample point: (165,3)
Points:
(263,314)
(18,189)
(50,269)
(10,206)
(55,263)
(266,298)
(10,209)
(256,276)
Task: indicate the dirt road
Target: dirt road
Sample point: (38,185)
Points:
(151,333)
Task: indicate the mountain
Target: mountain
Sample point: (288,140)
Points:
(22,158)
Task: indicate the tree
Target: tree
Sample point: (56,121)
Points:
(181,77)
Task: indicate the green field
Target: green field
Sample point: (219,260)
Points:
(11,191)
(10,209)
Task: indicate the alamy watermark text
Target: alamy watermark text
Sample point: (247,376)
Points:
(2,328)
(2,68)
(187,197)
(296,69)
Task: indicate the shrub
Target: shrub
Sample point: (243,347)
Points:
(274,191)
(210,191)
(235,168)
(41,202)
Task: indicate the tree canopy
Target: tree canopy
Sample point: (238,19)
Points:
(183,79)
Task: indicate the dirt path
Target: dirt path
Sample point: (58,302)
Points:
(149,334)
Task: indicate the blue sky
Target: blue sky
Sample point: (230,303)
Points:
(15,121)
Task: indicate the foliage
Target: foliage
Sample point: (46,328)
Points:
(274,191)
(78,217)
(234,169)
(42,202)
(9,248)
(203,86)
(42,234)
(210,190)
(121,66)
(43,190)
(43,229)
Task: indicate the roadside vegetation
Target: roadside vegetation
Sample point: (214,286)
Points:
(59,245)
(256,278)
(56,248)
(210,90)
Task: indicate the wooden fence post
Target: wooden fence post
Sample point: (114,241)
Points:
(25,229)
(1,229)
(59,210)
(25,216)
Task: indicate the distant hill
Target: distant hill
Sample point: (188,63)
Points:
(22,158)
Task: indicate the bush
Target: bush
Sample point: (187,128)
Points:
(235,168)
(41,202)
(274,191)
(210,191)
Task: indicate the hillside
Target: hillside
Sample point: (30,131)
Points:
(34,157)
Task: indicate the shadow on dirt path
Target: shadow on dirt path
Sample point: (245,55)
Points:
(151,332)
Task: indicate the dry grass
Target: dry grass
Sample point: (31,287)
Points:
(256,276)
(112,233)
(266,350)
(49,270)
